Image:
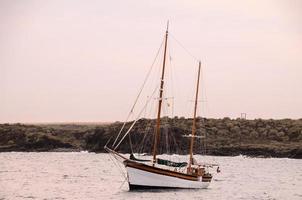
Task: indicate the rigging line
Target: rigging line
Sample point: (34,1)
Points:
(141,145)
(172,90)
(109,140)
(140,91)
(134,122)
(186,50)
(170,85)
(202,120)
(192,92)
(130,142)
(117,165)
(172,75)
(126,179)
(206,105)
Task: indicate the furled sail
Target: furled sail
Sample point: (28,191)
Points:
(161,162)
(171,163)
(132,157)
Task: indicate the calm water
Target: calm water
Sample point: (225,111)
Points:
(94,176)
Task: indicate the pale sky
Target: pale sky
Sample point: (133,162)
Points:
(84,61)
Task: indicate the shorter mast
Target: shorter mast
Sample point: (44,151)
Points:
(194,121)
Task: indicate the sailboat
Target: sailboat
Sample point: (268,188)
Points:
(160,173)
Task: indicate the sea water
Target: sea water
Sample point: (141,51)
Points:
(83,175)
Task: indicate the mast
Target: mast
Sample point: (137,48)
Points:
(194,120)
(157,133)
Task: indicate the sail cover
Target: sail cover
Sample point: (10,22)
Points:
(171,163)
(161,162)
(136,159)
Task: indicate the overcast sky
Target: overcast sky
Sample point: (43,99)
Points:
(84,61)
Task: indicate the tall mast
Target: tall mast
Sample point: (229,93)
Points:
(194,120)
(157,133)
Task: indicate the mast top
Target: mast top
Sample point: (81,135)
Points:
(167,26)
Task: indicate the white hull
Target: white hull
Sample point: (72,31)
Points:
(138,178)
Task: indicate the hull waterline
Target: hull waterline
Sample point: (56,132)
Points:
(143,179)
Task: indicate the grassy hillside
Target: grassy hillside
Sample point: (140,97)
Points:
(276,138)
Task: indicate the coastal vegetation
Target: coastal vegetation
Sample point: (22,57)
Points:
(225,137)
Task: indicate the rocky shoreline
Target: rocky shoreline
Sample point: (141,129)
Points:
(224,137)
